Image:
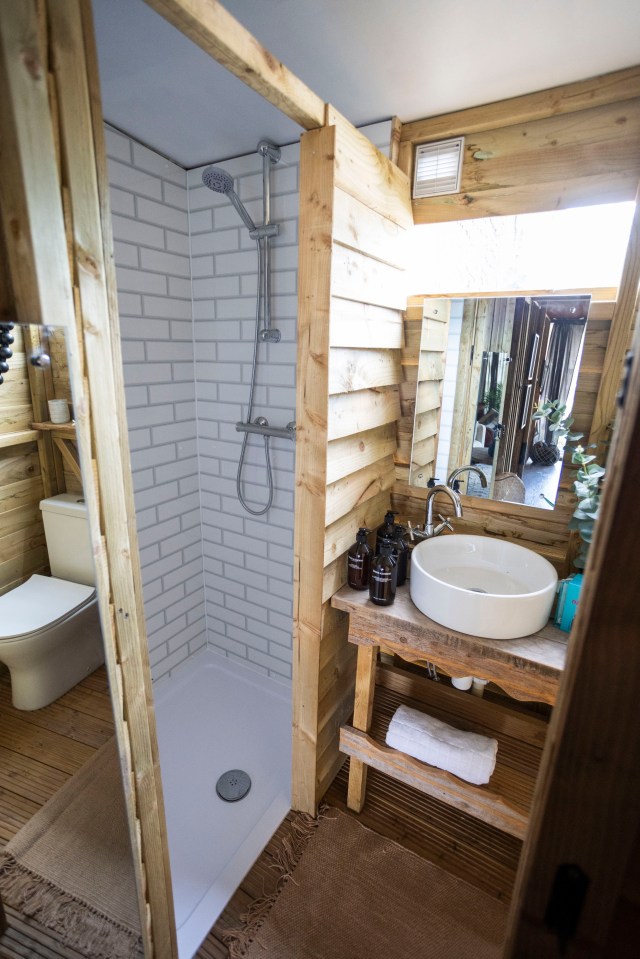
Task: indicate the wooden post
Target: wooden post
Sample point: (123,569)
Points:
(362,713)
(314,282)
(102,444)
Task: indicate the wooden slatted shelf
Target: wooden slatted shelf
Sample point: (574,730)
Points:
(504,803)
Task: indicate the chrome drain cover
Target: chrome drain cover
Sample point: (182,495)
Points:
(233,785)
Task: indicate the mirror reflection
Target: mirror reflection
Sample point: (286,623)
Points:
(485,365)
(67,831)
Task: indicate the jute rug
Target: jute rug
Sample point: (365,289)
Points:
(355,895)
(70,867)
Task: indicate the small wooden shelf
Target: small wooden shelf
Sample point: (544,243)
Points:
(505,801)
(66,430)
(64,438)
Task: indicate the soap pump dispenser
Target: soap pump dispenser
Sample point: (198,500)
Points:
(359,560)
(384,575)
(386,528)
(401,552)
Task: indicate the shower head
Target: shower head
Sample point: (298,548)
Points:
(218,180)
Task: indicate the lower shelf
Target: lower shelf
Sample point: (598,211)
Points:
(505,801)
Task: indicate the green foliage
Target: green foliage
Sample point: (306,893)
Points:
(588,482)
(587,487)
(553,411)
(493,397)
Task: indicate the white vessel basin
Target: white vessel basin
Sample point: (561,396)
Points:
(482,586)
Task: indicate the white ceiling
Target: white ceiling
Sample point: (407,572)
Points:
(371,59)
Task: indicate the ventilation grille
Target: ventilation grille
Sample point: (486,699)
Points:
(438,167)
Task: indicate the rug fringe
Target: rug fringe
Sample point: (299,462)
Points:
(283,862)
(83,927)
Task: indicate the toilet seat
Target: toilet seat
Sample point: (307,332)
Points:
(40,603)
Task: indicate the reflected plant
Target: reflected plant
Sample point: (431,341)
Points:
(588,482)
(554,412)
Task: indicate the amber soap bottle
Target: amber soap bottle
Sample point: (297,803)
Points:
(384,575)
(359,560)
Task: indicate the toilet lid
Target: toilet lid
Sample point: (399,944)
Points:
(39,602)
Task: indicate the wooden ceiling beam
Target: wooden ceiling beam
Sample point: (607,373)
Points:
(568,98)
(215,31)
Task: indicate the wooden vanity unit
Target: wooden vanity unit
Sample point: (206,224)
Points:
(527,669)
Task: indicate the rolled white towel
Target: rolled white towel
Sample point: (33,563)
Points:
(468,755)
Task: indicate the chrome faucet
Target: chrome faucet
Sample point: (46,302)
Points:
(429,529)
(453,478)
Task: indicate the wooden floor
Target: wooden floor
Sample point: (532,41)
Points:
(39,751)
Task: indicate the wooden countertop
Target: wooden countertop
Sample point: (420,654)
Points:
(528,668)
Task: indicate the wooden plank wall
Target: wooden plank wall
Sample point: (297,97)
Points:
(22,545)
(546,151)
(354,211)
(545,531)
(30,468)
(424,360)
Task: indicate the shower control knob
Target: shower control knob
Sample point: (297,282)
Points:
(261,421)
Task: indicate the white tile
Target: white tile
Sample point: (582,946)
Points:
(177,242)
(180,287)
(125,254)
(220,241)
(174,195)
(152,162)
(158,213)
(212,287)
(137,281)
(118,146)
(132,231)
(135,181)
(168,263)
(166,307)
(121,202)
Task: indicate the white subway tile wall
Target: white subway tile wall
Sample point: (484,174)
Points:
(151,239)
(246,561)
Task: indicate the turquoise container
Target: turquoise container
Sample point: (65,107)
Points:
(568,594)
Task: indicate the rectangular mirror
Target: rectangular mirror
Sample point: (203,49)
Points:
(485,365)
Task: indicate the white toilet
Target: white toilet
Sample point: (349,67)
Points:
(50,636)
